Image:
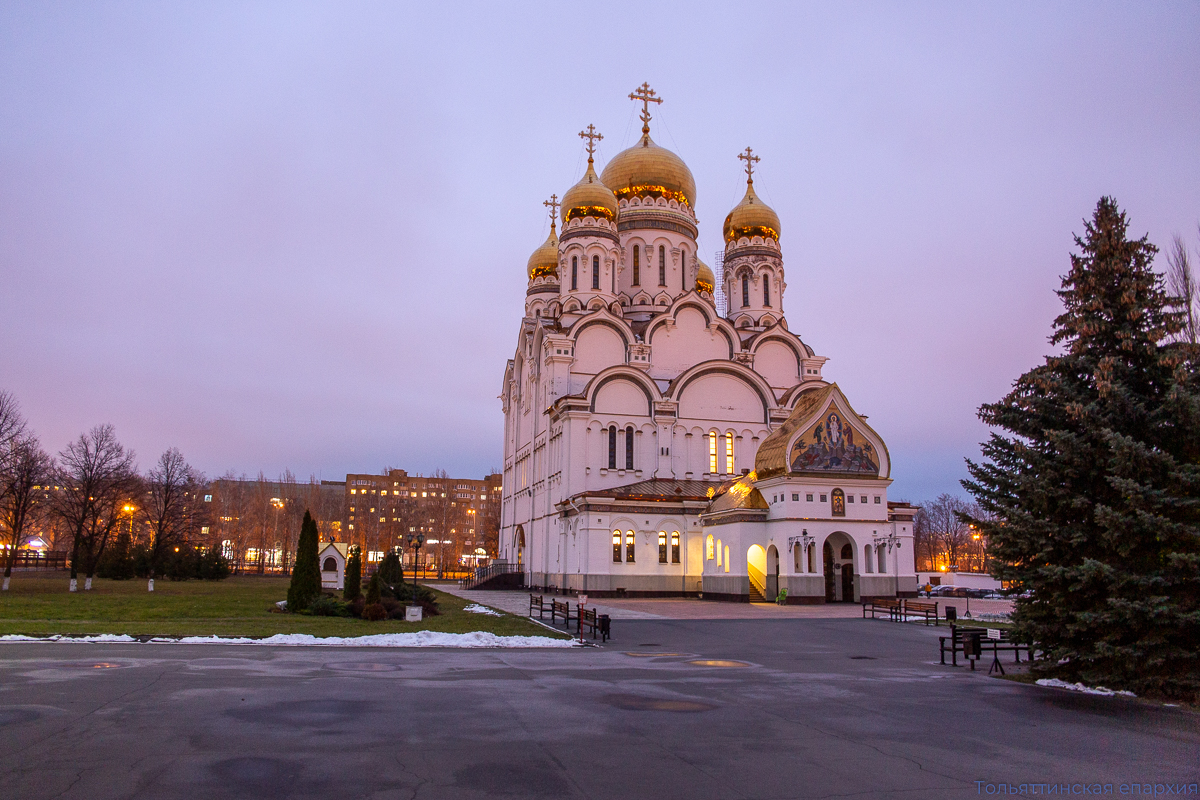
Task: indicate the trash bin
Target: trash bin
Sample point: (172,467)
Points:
(605,626)
(951,614)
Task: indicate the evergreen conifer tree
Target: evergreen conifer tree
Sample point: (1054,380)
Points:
(352,585)
(1094,498)
(306,575)
(391,571)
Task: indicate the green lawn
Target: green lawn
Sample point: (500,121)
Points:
(39,603)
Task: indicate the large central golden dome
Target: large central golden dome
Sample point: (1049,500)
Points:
(649,170)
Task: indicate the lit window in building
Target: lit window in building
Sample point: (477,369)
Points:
(595,272)
(662,547)
(708,548)
(612,447)
(729,453)
(662,265)
(675,547)
(719,562)
(712,452)
(727,558)
(616,547)
(629,447)
(629,547)
(637,267)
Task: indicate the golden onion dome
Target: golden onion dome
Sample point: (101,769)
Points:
(705,280)
(544,260)
(589,198)
(751,217)
(649,170)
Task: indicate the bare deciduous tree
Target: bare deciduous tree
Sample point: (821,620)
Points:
(12,428)
(1181,283)
(27,467)
(168,506)
(97,475)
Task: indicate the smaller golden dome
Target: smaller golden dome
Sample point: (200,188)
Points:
(705,280)
(589,198)
(751,217)
(544,260)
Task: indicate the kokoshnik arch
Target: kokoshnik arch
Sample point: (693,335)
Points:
(655,447)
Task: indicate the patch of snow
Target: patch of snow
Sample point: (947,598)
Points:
(475,608)
(281,605)
(417,639)
(1055,683)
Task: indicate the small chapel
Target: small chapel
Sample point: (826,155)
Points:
(656,446)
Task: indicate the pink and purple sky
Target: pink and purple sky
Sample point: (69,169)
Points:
(294,235)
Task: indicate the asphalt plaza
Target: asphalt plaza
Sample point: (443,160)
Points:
(671,708)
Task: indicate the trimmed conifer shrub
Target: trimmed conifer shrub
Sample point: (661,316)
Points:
(391,571)
(374,610)
(352,585)
(306,575)
(1091,492)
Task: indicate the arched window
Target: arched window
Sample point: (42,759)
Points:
(629,447)
(675,547)
(574,273)
(628,547)
(867,561)
(766,291)
(612,447)
(330,565)
(712,452)
(727,558)
(882,554)
(616,547)
(729,453)
(847,553)
(595,272)
(683,271)
(662,265)
(812,550)
(662,547)
(719,552)
(637,267)
(708,548)
(745,291)
(838,499)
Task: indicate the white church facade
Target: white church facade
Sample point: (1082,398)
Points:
(653,446)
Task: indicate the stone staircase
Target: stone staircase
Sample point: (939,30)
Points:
(757,586)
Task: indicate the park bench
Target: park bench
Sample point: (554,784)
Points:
(537,603)
(562,608)
(974,642)
(892,607)
(919,608)
(590,620)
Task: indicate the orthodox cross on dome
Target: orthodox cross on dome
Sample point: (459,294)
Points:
(647,96)
(592,136)
(750,160)
(553,205)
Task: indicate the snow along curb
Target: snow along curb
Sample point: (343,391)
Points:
(417,639)
(1055,683)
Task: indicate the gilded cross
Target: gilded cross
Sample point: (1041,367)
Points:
(647,96)
(592,136)
(553,205)
(750,160)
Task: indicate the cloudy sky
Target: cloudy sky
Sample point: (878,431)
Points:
(293,235)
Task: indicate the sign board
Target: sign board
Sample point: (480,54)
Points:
(993,633)
(583,599)
(412,613)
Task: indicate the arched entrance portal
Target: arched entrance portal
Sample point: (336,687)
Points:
(519,545)
(756,568)
(838,554)
(772,574)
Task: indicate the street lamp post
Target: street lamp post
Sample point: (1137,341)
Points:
(416,541)
(892,542)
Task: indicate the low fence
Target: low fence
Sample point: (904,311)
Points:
(32,559)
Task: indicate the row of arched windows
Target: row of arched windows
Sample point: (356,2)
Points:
(665,551)
(612,447)
(713,460)
(714,549)
(662,266)
(746,291)
(575,272)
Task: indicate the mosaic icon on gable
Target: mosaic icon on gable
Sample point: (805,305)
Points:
(833,445)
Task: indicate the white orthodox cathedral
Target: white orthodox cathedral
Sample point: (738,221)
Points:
(653,446)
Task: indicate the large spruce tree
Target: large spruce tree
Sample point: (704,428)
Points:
(306,576)
(1094,497)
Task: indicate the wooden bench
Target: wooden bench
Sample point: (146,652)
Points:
(892,607)
(562,608)
(928,611)
(537,603)
(961,640)
(590,620)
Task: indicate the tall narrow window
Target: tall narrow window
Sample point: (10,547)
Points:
(719,549)
(629,547)
(612,447)
(637,266)
(675,547)
(662,265)
(709,548)
(712,452)
(629,447)
(745,291)
(596,272)
(729,453)
(662,547)
(574,273)
(683,271)
(727,558)
(766,291)
(616,547)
